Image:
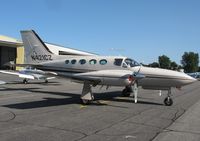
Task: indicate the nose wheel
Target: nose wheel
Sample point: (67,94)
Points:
(85,101)
(168,100)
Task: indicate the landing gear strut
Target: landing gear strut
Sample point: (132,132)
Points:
(168,100)
(87,95)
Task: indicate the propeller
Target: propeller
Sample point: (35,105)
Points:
(138,75)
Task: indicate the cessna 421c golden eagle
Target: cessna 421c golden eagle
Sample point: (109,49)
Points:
(93,70)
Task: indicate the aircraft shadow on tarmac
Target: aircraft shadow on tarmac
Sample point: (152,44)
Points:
(17,89)
(72,99)
(114,96)
(32,82)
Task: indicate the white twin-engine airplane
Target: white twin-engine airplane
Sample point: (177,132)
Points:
(101,70)
(31,74)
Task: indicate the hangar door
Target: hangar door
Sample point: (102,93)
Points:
(7,55)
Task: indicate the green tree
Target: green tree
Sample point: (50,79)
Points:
(190,62)
(164,62)
(174,66)
(154,65)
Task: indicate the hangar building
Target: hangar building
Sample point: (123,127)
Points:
(12,52)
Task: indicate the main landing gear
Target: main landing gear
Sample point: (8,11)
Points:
(168,100)
(129,89)
(25,81)
(87,95)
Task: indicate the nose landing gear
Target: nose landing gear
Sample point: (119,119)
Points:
(168,100)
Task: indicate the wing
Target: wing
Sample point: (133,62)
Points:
(18,74)
(108,77)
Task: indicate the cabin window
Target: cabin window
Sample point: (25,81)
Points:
(93,61)
(82,61)
(73,61)
(118,62)
(67,62)
(103,62)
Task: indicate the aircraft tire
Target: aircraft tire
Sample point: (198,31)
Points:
(85,101)
(25,81)
(168,101)
(125,93)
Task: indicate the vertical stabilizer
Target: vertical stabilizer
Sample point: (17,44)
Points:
(35,49)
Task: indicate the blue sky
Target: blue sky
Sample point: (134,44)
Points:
(140,29)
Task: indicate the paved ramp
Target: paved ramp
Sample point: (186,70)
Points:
(41,112)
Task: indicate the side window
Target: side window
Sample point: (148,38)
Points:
(103,62)
(73,61)
(82,61)
(118,62)
(93,61)
(67,62)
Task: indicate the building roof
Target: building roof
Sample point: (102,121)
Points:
(8,41)
(61,50)
(12,42)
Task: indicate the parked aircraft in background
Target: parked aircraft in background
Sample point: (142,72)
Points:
(31,74)
(101,70)
(195,75)
(2,82)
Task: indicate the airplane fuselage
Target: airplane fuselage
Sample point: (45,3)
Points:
(109,69)
(95,70)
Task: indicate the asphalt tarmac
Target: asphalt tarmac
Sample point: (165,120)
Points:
(52,112)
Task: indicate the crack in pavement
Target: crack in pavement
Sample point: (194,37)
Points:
(51,127)
(117,122)
(173,120)
(179,131)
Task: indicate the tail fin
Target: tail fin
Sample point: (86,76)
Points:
(35,49)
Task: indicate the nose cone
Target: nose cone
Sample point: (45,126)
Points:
(189,79)
(164,78)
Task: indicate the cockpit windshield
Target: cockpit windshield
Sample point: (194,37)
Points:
(130,63)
